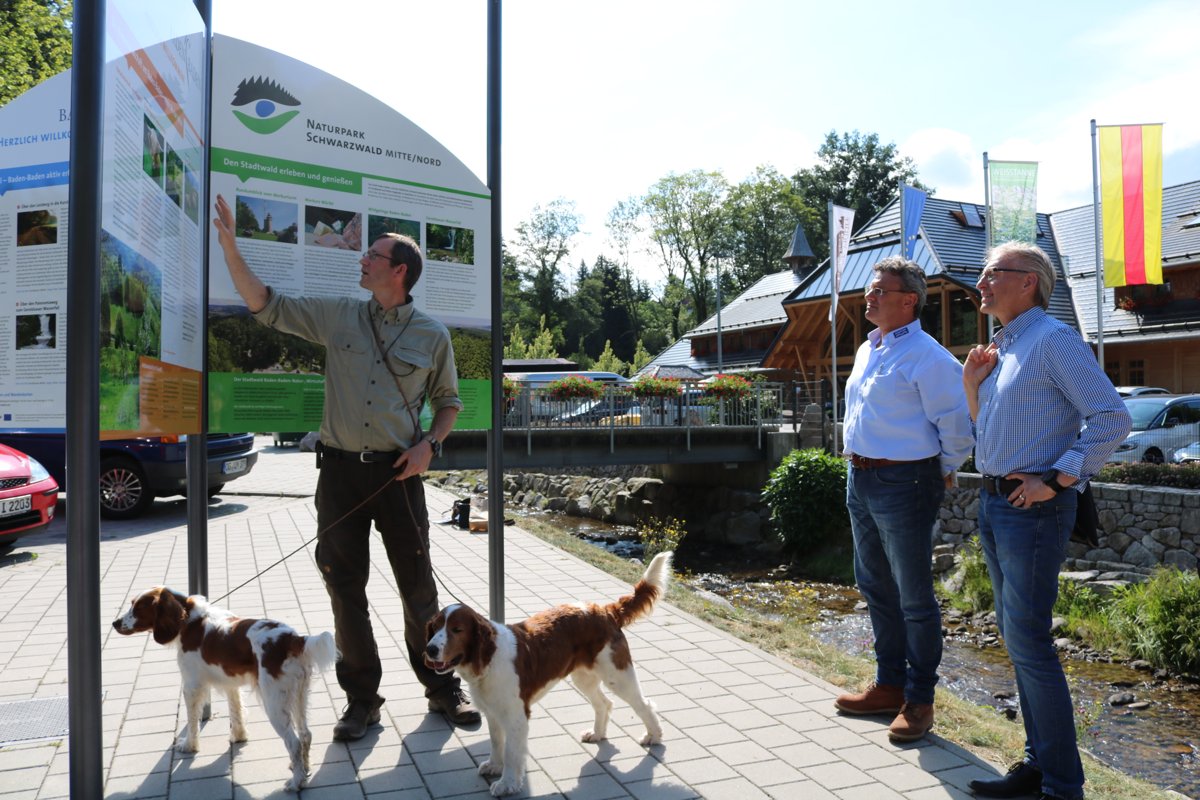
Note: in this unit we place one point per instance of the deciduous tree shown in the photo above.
(855, 171)
(35, 43)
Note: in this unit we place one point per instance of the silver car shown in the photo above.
(1189, 454)
(1162, 425)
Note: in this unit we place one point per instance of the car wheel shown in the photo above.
(6, 547)
(1153, 456)
(213, 491)
(124, 493)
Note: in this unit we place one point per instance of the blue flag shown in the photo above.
(912, 203)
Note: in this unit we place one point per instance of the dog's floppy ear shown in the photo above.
(168, 622)
(435, 623)
(482, 643)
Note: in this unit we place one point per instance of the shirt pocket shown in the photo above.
(411, 365)
(348, 346)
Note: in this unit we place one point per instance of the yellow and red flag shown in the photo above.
(1131, 203)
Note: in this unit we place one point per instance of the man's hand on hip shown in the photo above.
(414, 461)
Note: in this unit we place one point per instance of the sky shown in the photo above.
(600, 100)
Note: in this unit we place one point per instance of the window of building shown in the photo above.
(931, 316)
(964, 320)
(1113, 370)
(1137, 372)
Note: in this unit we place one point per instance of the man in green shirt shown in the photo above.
(383, 359)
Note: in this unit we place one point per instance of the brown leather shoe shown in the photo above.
(912, 723)
(457, 707)
(875, 699)
(358, 716)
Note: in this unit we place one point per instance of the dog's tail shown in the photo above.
(320, 651)
(653, 585)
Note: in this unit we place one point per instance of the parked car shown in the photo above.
(135, 471)
(1189, 454)
(1138, 391)
(1161, 426)
(28, 496)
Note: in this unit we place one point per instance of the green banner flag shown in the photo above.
(1012, 205)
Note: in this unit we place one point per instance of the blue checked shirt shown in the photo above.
(905, 401)
(1046, 404)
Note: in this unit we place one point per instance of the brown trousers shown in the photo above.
(344, 558)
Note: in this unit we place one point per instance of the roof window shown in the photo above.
(967, 215)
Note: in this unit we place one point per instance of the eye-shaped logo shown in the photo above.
(267, 97)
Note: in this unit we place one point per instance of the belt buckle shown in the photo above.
(364, 456)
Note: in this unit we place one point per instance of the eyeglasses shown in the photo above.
(877, 292)
(371, 255)
(988, 276)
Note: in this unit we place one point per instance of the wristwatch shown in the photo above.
(435, 446)
(1050, 478)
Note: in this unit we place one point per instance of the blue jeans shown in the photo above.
(892, 511)
(1024, 549)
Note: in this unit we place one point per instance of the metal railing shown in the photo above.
(618, 407)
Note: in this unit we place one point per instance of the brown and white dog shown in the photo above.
(220, 651)
(511, 667)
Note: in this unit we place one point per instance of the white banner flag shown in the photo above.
(841, 222)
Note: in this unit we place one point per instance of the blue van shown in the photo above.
(135, 471)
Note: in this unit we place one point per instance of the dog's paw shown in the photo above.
(651, 739)
(506, 786)
(185, 745)
(591, 737)
(237, 735)
(490, 769)
(295, 784)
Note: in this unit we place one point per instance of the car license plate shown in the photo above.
(237, 465)
(15, 505)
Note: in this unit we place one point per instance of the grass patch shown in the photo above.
(978, 729)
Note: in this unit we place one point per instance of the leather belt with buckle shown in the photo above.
(998, 485)
(862, 462)
(362, 456)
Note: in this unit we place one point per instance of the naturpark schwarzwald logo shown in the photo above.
(266, 99)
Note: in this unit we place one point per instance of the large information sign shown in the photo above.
(151, 269)
(35, 147)
(316, 170)
(151, 265)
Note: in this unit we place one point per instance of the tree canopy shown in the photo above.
(35, 43)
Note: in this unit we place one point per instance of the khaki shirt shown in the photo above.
(364, 410)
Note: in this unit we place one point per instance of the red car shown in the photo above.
(28, 496)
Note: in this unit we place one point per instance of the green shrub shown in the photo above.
(660, 535)
(807, 497)
(1088, 615)
(1181, 476)
(973, 586)
(1160, 620)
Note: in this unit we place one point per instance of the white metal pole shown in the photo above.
(833, 291)
(1099, 252)
(987, 204)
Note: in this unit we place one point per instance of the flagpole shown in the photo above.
(1099, 254)
(833, 298)
(987, 204)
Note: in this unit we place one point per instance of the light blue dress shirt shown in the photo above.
(905, 401)
(1046, 403)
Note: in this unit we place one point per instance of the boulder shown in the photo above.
(1181, 560)
(743, 528)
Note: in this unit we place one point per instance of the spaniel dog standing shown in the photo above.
(511, 667)
(220, 651)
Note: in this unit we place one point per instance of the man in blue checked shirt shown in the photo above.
(907, 432)
(1046, 419)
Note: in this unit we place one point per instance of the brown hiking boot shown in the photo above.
(912, 723)
(457, 707)
(358, 716)
(875, 699)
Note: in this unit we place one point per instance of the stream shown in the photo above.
(1154, 736)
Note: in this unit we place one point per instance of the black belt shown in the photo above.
(362, 456)
(862, 462)
(998, 485)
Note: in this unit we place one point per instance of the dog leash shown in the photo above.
(337, 521)
(372, 496)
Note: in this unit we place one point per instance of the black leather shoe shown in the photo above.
(358, 716)
(455, 704)
(1022, 779)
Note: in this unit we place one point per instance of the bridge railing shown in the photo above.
(537, 408)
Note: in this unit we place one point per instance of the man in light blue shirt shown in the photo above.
(906, 433)
(1046, 419)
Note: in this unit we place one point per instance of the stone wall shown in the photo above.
(1140, 528)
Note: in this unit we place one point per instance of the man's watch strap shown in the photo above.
(435, 446)
(1050, 478)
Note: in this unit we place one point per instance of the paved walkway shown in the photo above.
(738, 723)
